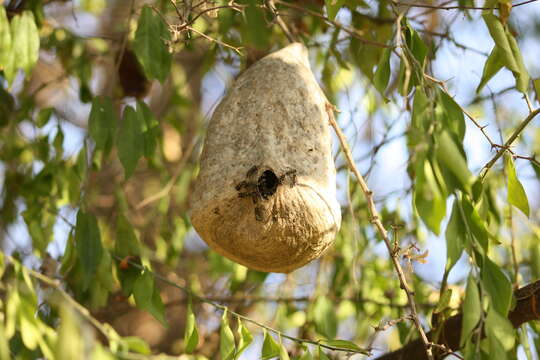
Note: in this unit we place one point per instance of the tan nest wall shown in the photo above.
(265, 195)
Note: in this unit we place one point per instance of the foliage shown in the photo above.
(102, 109)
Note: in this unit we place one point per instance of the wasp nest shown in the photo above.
(265, 196)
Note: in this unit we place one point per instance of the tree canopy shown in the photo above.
(103, 111)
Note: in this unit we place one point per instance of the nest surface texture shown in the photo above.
(265, 195)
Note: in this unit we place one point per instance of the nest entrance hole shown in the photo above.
(267, 183)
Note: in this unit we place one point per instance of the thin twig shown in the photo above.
(352, 32)
(123, 46)
(272, 8)
(243, 317)
(482, 128)
(217, 41)
(299, 299)
(106, 331)
(457, 7)
(167, 188)
(376, 221)
(509, 142)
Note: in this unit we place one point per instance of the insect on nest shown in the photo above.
(263, 187)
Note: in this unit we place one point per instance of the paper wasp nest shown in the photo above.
(265, 195)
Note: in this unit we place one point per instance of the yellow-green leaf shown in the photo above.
(516, 192)
(332, 7)
(147, 296)
(283, 353)
(321, 354)
(497, 286)
(191, 335)
(70, 344)
(324, 315)
(471, 310)
(450, 155)
(498, 34)
(429, 201)
(270, 347)
(25, 44)
(244, 339)
(227, 348)
(493, 64)
(500, 328)
(522, 76)
(5, 39)
(345, 344)
(455, 237)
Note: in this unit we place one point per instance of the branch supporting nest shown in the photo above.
(527, 309)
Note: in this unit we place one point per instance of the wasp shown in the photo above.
(263, 187)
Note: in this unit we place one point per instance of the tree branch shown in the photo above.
(527, 309)
(509, 142)
(376, 221)
(456, 7)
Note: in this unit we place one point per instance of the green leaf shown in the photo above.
(143, 290)
(416, 45)
(4, 345)
(472, 310)
(420, 112)
(283, 353)
(493, 64)
(324, 314)
(516, 192)
(522, 76)
(130, 141)
(150, 128)
(382, 75)
(255, 29)
(191, 335)
(451, 156)
(536, 83)
(150, 45)
(332, 7)
(227, 348)
(245, 338)
(5, 40)
(70, 344)
(498, 33)
(497, 286)
(126, 242)
(147, 296)
(25, 44)
(321, 354)
(88, 246)
(455, 237)
(136, 344)
(306, 355)
(102, 123)
(444, 300)
(454, 115)
(270, 348)
(29, 326)
(344, 344)
(500, 328)
(429, 201)
(475, 224)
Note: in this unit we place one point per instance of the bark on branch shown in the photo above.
(527, 309)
